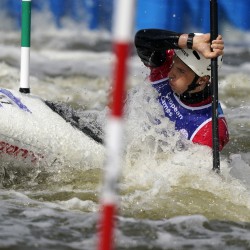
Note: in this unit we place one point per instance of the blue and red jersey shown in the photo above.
(193, 121)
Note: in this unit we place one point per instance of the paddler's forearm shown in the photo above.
(152, 44)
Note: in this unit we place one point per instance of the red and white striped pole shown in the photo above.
(123, 25)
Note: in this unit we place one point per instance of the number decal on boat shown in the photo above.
(6, 97)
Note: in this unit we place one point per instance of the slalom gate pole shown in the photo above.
(25, 47)
(214, 81)
(123, 24)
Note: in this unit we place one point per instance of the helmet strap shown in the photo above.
(193, 85)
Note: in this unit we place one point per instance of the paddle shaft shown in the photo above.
(214, 81)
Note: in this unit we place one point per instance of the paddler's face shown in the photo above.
(180, 76)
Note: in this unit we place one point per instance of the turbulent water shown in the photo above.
(169, 196)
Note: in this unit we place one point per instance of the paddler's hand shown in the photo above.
(202, 44)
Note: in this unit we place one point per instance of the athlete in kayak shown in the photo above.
(180, 71)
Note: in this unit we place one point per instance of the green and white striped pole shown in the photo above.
(25, 47)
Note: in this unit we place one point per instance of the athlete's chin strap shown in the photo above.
(193, 85)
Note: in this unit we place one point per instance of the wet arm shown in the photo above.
(152, 44)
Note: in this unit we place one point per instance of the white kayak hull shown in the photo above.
(32, 134)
